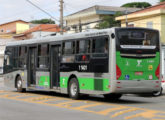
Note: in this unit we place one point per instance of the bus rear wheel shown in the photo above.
(112, 96)
(19, 85)
(159, 93)
(73, 89)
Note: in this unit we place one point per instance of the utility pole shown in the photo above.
(80, 25)
(61, 16)
(126, 19)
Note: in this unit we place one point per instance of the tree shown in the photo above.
(137, 4)
(162, 0)
(43, 21)
(109, 21)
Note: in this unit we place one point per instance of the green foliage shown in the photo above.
(137, 4)
(109, 21)
(43, 21)
(162, 0)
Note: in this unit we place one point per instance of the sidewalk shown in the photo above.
(1, 79)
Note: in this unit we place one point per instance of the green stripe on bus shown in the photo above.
(88, 83)
(44, 81)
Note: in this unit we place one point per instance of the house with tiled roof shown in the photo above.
(8, 29)
(41, 30)
(151, 17)
(88, 18)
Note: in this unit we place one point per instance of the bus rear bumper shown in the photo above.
(143, 86)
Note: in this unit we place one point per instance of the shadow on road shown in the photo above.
(125, 99)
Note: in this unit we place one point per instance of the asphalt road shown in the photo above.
(51, 106)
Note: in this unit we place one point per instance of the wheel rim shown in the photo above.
(19, 83)
(157, 93)
(73, 89)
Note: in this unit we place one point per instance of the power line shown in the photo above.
(42, 10)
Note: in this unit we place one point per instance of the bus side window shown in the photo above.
(22, 56)
(82, 50)
(74, 46)
(8, 60)
(100, 45)
(83, 46)
(67, 48)
(15, 57)
(43, 56)
(77, 46)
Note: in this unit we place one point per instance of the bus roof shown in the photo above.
(69, 36)
(60, 37)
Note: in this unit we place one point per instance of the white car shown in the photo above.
(162, 89)
(1, 70)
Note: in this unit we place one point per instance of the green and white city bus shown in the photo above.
(108, 62)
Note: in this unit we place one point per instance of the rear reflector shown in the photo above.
(157, 72)
(118, 72)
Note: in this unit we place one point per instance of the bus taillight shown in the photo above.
(118, 72)
(157, 72)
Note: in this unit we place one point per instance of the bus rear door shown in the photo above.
(55, 63)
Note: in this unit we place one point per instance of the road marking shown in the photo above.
(87, 106)
(66, 103)
(123, 112)
(107, 111)
(2, 91)
(22, 95)
(48, 100)
(8, 94)
(157, 119)
(147, 114)
(44, 99)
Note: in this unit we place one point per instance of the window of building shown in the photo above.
(43, 56)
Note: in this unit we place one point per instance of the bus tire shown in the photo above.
(19, 85)
(159, 93)
(112, 96)
(73, 89)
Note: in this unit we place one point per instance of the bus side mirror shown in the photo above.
(5, 57)
(112, 35)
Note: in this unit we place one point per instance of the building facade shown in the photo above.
(41, 30)
(88, 18)
(152, 17)
(7, 30)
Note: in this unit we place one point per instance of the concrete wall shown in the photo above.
(87, 23)
(163, 29)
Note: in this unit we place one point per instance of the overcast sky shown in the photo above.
(20, 9)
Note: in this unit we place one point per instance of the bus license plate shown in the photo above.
(138, 73)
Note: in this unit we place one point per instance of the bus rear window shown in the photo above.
(135, 37)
